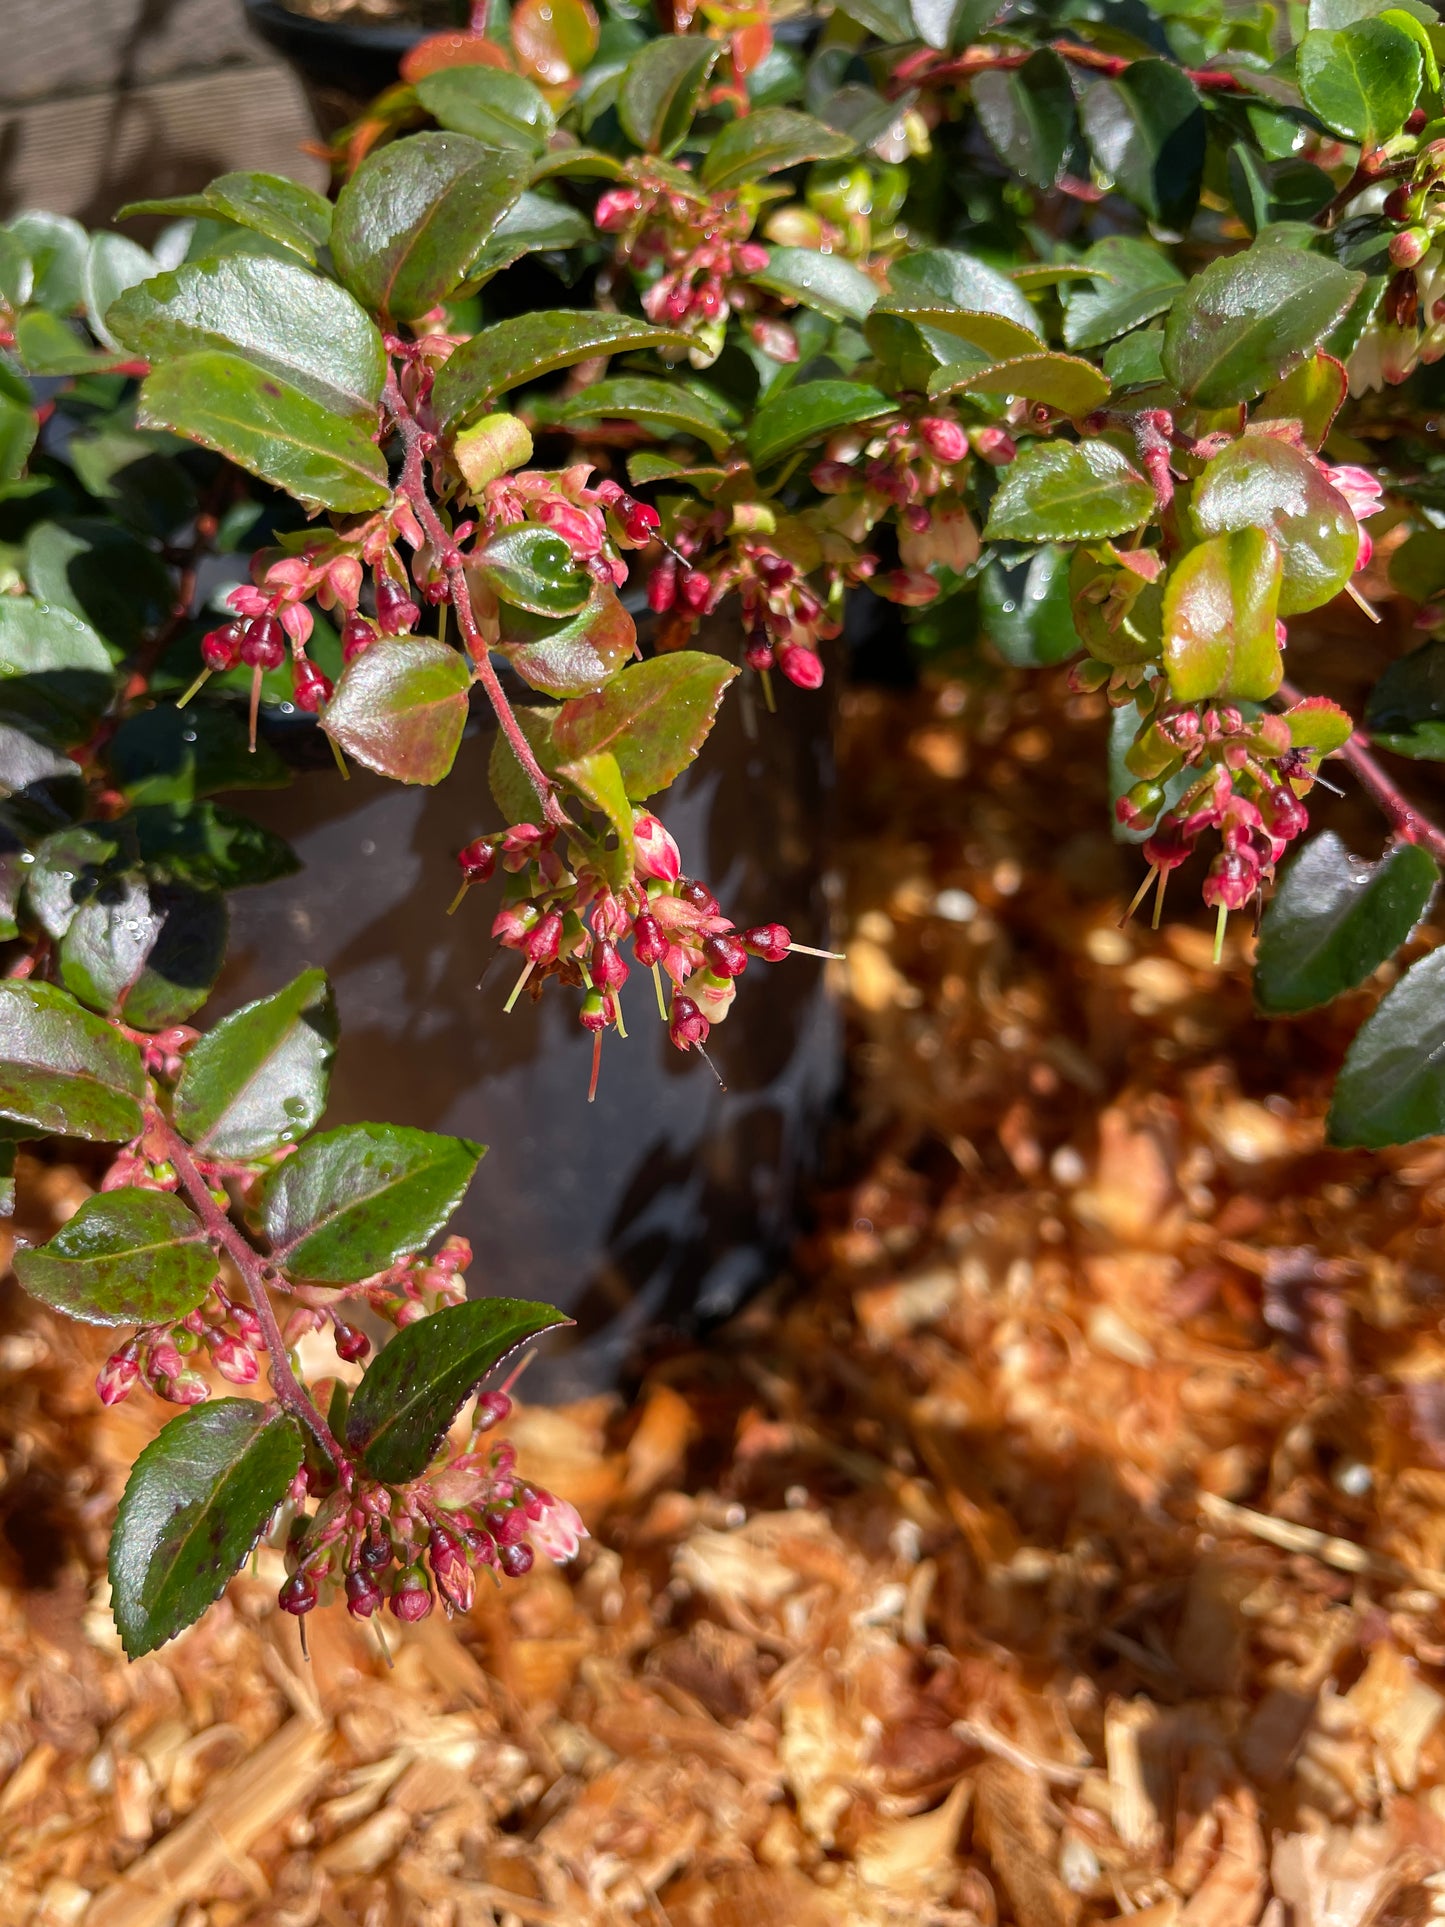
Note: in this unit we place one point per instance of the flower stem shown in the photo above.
(252, 1267)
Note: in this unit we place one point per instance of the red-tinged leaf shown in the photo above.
(64, 1071)
(554, 40)
(1221, 604)
(127, 1257)
(197, 1500)
(511, 353)
(1319, 725)
(573, 657)
(654, 718)
(531, 569)
(1260, 483)
(1311, 395)
(400, 709)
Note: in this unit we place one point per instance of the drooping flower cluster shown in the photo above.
(690, 249)
(166, 1358)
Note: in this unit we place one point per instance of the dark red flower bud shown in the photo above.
(542, 942)
(411, 1594)
(698, 895)
(694, 590)
(311, 687)
(264, 644)
(801, 666)
(376, 1554)
(770, 941)
(759, 655)
(609, 972)
(357, 635)
(396, 613)
(363, 1595)
(221, 648)
(593, 1014)
(477, 861)
(298, 1595)
(507, 1524)
(351, 1344)
(686, 1024)
(493, 1408)
(726, 956)
(515, 1561)
(662, 586)
(648, 943)
(639, 519)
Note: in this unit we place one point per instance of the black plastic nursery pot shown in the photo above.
(660, 1207)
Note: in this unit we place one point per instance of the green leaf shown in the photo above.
(351, 1202)
(1067, 492)
(1064, 382)
(197, 1500)
(112, 264)
(1417, 567)
(1134, 364)
(828, 282)
(1406, 708)
(101, 573)
(210, 848)
(400, 708)
(1028, 114)
(575, 656)
(497, 108)
(509, 353)
(661, 90)
(996, 337)
(1024, 608)
(46, 345)
(269, 427)
(56, 247)
(413, 1390)
(531, 569)
(259, 1079)
(1311, 394)
(534, 223)
(1259, 482)
(1135, 283)
(415, 215)
(1391, 1089)
(1334, 920)
(1249, 318)
(808, 411)
(17, 276)
(7, 1179)
(127, 1257)
(654, 718)
(1119, 616)
(1221, 604)
(170, 755)
(19, 424)
(667, 407)
(891, 20)
(64, 1071)
(765, 143)
(1265, 192)
(949, 25)
(38, 789)
(598, 780)
(274, 314)
(67, 869)
(1362, 81)
(950, 278)
(297, 217)
(1147, 133)
(151, 954)
(55, 673)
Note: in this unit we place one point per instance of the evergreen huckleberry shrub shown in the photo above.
(1109, 334)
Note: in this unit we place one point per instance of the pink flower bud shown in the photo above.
(1232, 880)
(164, 1361)
(694, 591)
(582, 534)
(615, 208)
(235, 1361)
(542, 942)
(945, 438)
(639, 519)
(357, 635)
(396, 613)
(834, 478)
(801, 666)
(557, 1529)
(312, 688)
(658, 857)
(686, 1025)
(363, 1595)
(649, 945)
(187, 1388)
(411, 1595)
(609, 972)
(493, 1408)
(770, 941)
(994, 446)
(750, 257)
(775, 338)
(221, 648)
(264, 644)
(662, 586)
(118, 1374)
(296, 620)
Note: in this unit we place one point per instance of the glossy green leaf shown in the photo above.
(1311, 394)
(1361, 81)
(197, 1500)
(948, 277)
(66, 869)
(259, 1078)
(56, 247)
(17, 275)
(598, 780)
(510, 353)
(1335, 919)
(1066, 492)
(533, 224)
(1119, 616)
(1406, 708)
(654, 719)
(1259, 482)
(576, 655)
(1264, 192)
(284, 211)
(55, 673)
(1028, 114)
(996, 337)
(47, 345)
(210, 848)
(1147, 133)
(1250, 318)
(661, 89)
(269, 427)
(277, 315)
(1417, 567)
(127, 1257)
(949, 25)
(497, 108)
(1391, 1089)
(112, 264)
(351, 1202)
(1135, 282)
(1064, 382)
(64, 1071)
(667, 407)
(103, 574)
(766, 143)
(828, 282)
(415, 215)
(39, 790)
(19, 424)
(1024, 609)
(415, 1387)
(807, 412)
(400, 709)
(148, 952)
(170, 755)
(532, 569)
(1134, 364)
(1221, 605)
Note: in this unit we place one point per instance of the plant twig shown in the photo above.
(1388, 798)
(415, 444)
(918, 69)
(252, 1267)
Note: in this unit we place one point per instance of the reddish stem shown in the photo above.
(252, 1266)
(917, 70)
(1384, 793)
(415, 444)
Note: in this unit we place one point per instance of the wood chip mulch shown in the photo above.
(1064, 1541)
